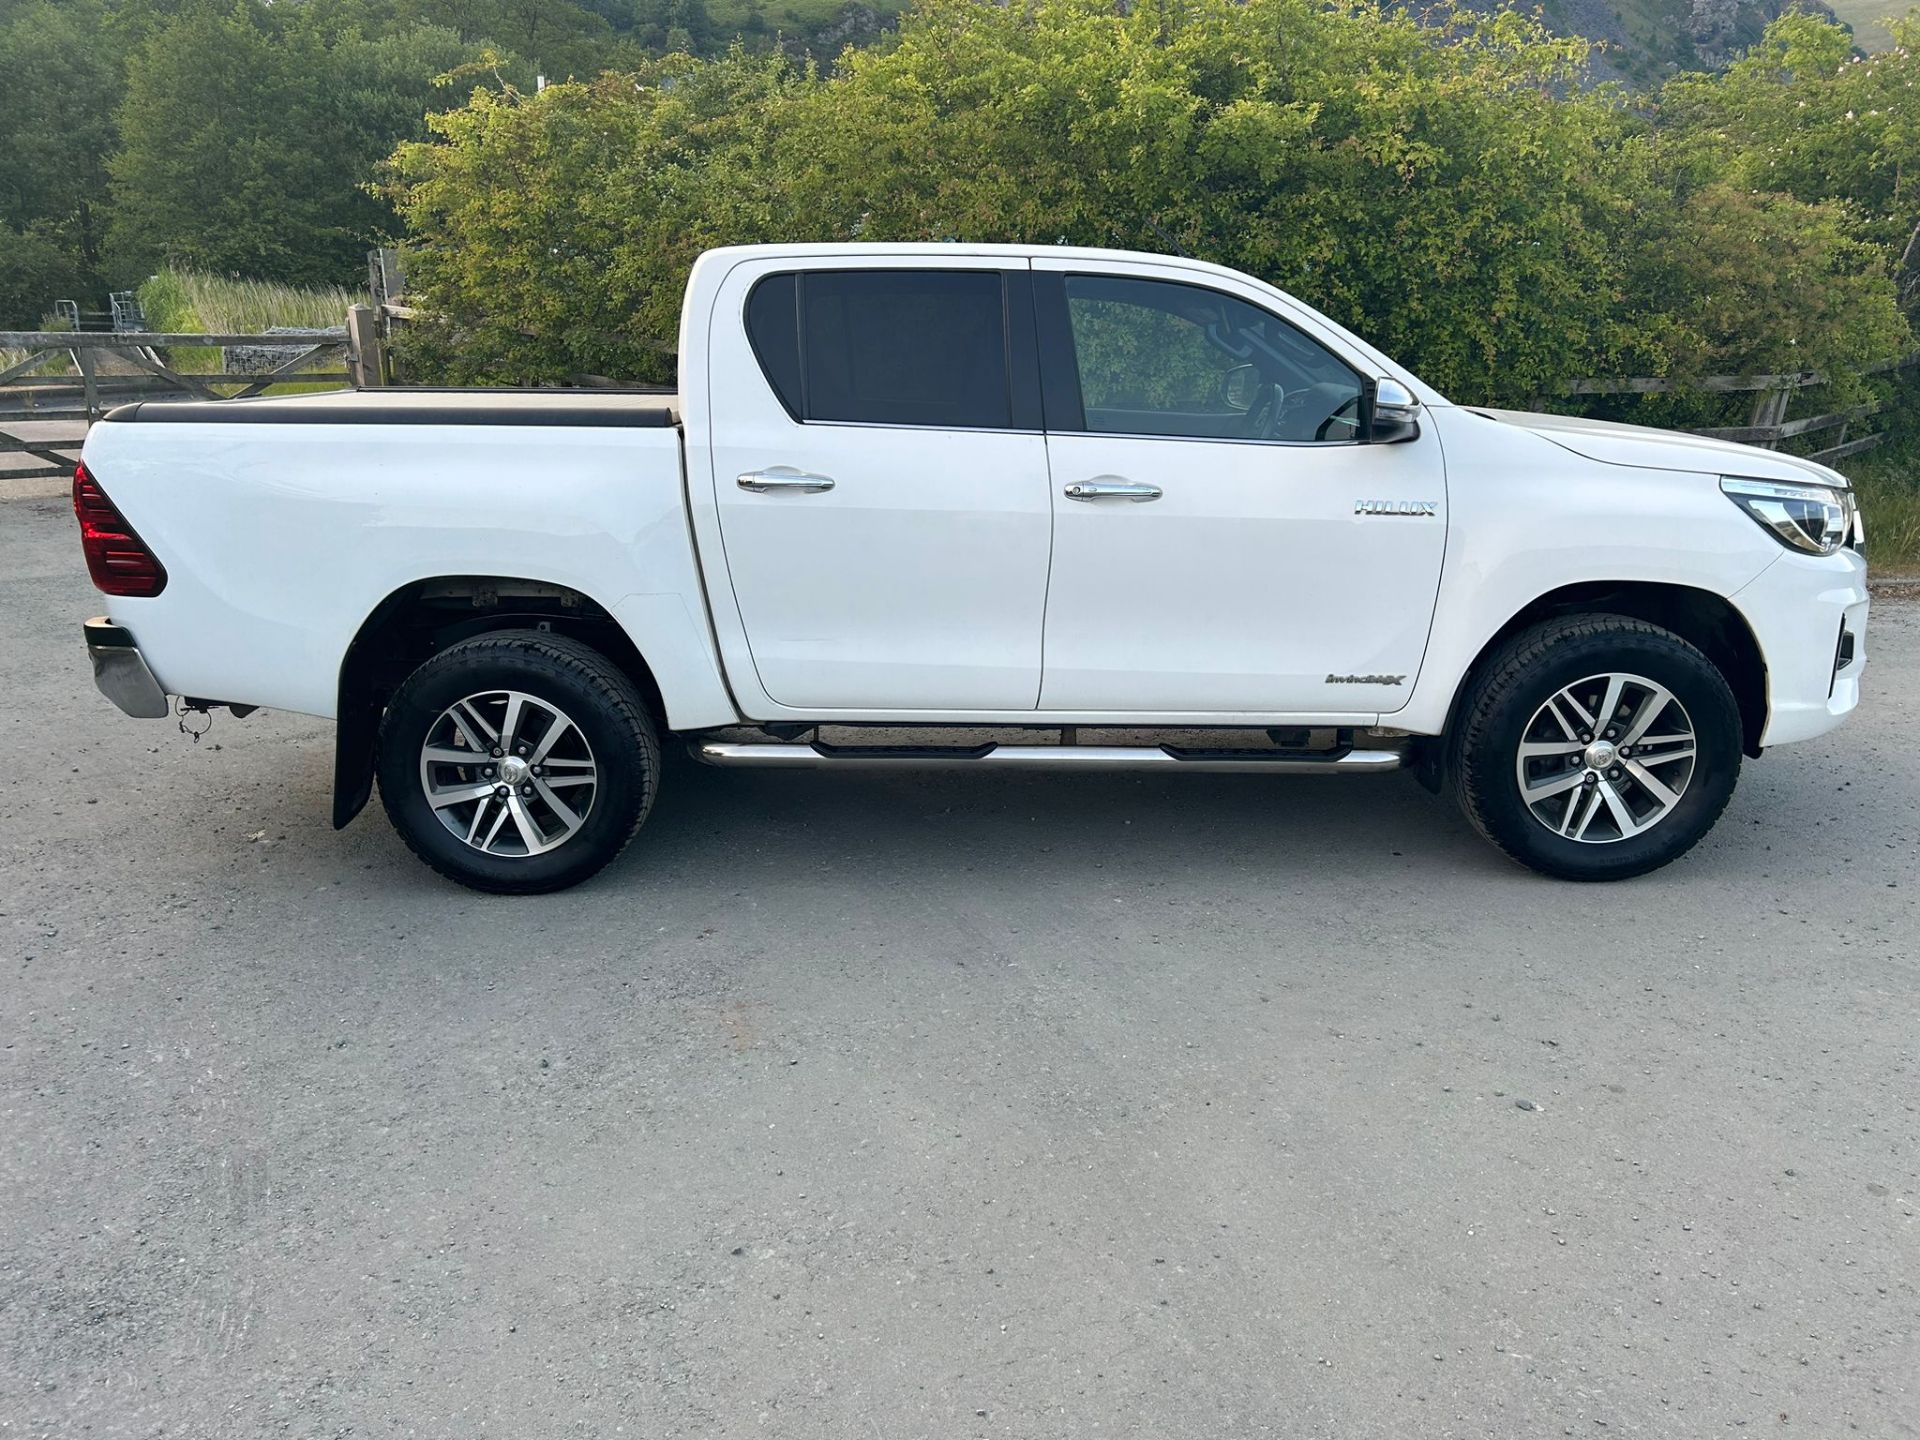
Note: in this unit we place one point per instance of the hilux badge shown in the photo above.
(1396, 507)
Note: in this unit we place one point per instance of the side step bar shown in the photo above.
(789, 756)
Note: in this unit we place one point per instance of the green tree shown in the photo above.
(249, 134)
(61, 74)
(36, 268)
(556, 38)
(217, 168)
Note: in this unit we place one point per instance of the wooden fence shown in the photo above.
(104, 369)
(1767, 424)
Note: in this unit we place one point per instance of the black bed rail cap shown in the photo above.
(628, 409)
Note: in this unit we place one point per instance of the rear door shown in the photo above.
(881, 480)
(1222, 542)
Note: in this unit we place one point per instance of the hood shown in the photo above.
(1644, 448)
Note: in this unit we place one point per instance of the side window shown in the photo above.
(773, 329)
(886, 347)
(1156, 357)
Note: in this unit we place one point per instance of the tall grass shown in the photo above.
(1886, 480)
(182, 300)
(1888, 490)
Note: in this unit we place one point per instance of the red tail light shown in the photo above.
(118, 559)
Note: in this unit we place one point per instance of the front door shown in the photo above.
(881, 482)
(1222, 541)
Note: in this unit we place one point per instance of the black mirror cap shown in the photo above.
(1392, 429)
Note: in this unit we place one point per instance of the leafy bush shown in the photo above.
(1444, 186)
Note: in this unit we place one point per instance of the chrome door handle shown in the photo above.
(1112, 487)
(781, 478)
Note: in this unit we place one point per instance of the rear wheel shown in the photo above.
(1597, 747)
(518, 762)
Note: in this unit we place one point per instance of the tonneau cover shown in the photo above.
(643, 409)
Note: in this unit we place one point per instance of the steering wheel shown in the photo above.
(1263, 419)
(1340, 417)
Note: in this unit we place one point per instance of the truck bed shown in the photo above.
(283, 536)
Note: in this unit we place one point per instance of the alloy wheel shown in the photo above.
(509, 773)
(1606, 758)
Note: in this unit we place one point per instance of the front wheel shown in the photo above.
(518, 762)
(1597, 747)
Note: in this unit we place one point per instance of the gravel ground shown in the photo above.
(1013, 1106)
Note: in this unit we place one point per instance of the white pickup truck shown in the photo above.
(978, 506)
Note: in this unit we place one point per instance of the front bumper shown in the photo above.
(121, 671)
(1810, 617)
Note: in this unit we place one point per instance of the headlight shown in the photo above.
(1814, 519)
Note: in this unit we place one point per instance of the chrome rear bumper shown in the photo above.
(121, 671)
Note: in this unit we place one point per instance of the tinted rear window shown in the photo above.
(886, 347)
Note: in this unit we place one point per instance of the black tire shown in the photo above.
(602, 703)
(1517, 681)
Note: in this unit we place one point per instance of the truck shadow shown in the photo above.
(930, 822)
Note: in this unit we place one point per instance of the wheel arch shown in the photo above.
(1708, 621)
(425, 616)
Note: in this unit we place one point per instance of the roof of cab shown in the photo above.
(933, 249)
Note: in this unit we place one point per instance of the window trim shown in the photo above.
(1061, 396)
(1020, 354)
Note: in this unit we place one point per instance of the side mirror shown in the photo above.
(1392, 412)
(1240, 387)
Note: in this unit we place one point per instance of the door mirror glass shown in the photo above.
(1394, 414)
(1240, 387)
